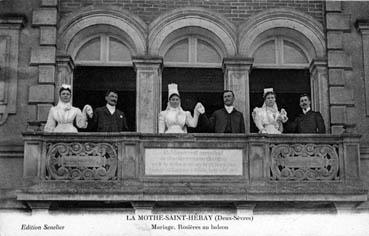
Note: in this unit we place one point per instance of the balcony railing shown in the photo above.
(191, 167)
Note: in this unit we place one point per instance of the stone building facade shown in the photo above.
(45, 43)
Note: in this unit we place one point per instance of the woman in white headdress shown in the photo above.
(62, 116)
(174, 119)
(267, 118)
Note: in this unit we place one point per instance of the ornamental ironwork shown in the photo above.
(81, 161)
(304, 162)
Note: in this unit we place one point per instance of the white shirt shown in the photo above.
(110, 108)
(306, 110)
(229, 108)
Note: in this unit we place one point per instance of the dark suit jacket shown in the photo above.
(218, 121)
(311, 122)
(103, 121)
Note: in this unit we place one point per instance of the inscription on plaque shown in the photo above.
(83, 161)
(181, 161)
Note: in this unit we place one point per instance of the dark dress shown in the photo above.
(311, 122)
(104, 121)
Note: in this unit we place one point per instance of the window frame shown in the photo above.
(104, 52)
(192, 53)
(279, 54)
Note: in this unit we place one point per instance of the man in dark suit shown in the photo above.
(108, 118)
(308, 122)
(227, 119)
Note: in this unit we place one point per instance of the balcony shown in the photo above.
(149, 168)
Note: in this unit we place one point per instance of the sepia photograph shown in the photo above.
(184, 117)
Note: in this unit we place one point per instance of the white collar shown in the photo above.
(306, 111)
(110, 108)
(229, 108)
(64, 105)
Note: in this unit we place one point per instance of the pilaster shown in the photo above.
(363, 27)
(148, 95)
(236, 78)
(319, 86)
(64, 72)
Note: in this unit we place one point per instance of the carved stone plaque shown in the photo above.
(308, 162)
(81, 161)
(182, 161)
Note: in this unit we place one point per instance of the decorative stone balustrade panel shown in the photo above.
(81, 161)
(304, 162)
(191, 167)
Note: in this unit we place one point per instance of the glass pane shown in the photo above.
(118, 51)
(206, 53)
(265, 54)
(293, 54)
(178, 52)
(90, 51)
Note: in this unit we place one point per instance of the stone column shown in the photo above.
(363, 28)
(319, 87)
(148, 93)
(65, 68)
(236, 78)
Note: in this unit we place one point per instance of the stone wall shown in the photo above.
(17, 13)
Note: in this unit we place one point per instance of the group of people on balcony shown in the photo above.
(268, 119)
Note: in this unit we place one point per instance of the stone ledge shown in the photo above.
(362, 25)
(12, 22)
(11, 151)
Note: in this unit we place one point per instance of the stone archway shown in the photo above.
(108, 23)
(180, 20)
(303, 29)
(78, 26)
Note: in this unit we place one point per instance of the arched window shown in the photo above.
(283, 64)
(103, 50)
(280, 53)
(104, 62)
(192, 51)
